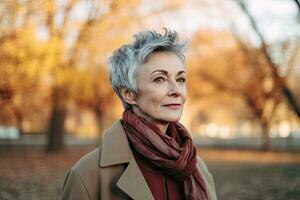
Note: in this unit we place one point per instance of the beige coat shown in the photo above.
(110, 172)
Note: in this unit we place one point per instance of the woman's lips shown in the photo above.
(173, 106)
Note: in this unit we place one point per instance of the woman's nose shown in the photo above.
(174, 89)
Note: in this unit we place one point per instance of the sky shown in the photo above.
(276, 18)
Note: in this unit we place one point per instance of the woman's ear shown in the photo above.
(127, 95)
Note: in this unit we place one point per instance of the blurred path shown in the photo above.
(249, 156)
(242, 175)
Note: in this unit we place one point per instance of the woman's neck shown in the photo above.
(161, 125)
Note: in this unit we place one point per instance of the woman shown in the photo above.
(147, 154)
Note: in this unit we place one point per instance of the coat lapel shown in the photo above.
(133, 183)
(116, 150)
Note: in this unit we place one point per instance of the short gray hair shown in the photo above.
(125, 61)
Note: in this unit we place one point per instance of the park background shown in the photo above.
(243, 79)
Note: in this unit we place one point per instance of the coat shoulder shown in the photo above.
(88, 168)
(201, 163)
(208, 179)
(89, 162)
(81, 181)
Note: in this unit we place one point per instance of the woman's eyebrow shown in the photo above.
(181, 72)
(166, 72)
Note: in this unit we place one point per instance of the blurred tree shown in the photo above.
(19, 69)
(241, 70)
(279, 81)
(49, 47)
(236, 69)
(100, 16)
(90, 90)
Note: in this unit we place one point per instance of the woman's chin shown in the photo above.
(170, 118)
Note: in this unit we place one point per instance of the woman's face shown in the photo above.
(161, 88)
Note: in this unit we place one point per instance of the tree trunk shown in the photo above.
(101, 125)
(20, 124)
(19, 117)
(56, 125)
(265, 137)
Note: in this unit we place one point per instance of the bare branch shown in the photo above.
(85, 29)
(291, 62)
(67, 11)
(298, 4)
(280, 81)
(50, 16)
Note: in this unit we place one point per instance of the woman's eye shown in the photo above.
(181, 80)
(159, 79)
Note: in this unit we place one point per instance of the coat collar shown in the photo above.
(115, 151)
(115, 146)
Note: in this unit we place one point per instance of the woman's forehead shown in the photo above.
(162, 62)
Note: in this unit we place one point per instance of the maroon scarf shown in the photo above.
(173, 152)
